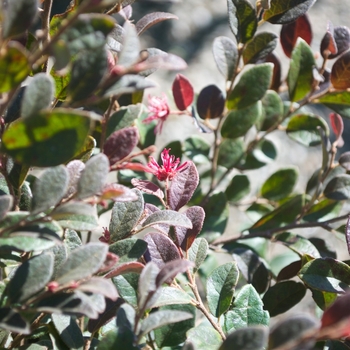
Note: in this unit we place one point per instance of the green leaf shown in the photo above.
(6, 202)
(38, 95)
(300, 76)
(230, 152)
(216, 216)
(204, 337)
(259, 47)
(34, 140)
(280, 184)
(238, 188)
(226, 56)
(30, 278)
(78, 222)
(339, 101)
(146, 131)
(324, 210)
(283, 296)
(93, 177)
(242, 19)
(69, 331)
(162, 317)
(198, 252)
(238, 122)
(323, 299)
(53, 181)
(327, 275)
(129, 249)
(256, 80)
(78, 267)
(197, 149)
(13, 321)
(338, 188)
(167, 217)
(25, 244)
(14, 67)
(272, 109)
(72, 240)
(297, 244)
(174, 334)
(125, 215)
(87, 72)
(250, 338)
(171, 296)
(286, 11)
(127, 285)
(18, 16)
(247, 310)
(220, 288)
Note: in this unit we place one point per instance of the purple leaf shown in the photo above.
(161, 249)
(171, 269)
(120, 144)
(100, 285)
(127, 267)
(148, 187)
(150, 209)
(182, 187)
(185, 237)
(151, 19)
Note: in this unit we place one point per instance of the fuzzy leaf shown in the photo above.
(147, 286)
(120, 144)
(182, 92)
(210, 102)
(131, 46)
(53, 181)
(198, 252)
(171, 269)
(226, 56)
(34, 140)
(168, 217)
(151, 19)
(99, 285)
(272, 110)
(148, 187)
(125, 215)
(182, 187)
(78, 267)
(171, 296)
(126, 285)
(220, 288)
(300, 76)
(259, 47)
(30, 278)
(125, 268)
(257, 80)
(204, 337)
(93, 177)
(129, 249)
(335, 41)
(38, 95)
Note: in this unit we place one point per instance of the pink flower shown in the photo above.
(158, 108)
(169, 168)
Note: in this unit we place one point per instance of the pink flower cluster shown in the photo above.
(159, 110)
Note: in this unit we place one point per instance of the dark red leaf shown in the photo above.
(289, 271)
(210, 102)
(151, 19)
(182, 187)
(127, 267)
(328, 44)
(340, 75)
(148, 187)
(171, 269)
(182, 92)
(185, 237)
(276, 74)
(292, 31)
(341, 37)
(120, 144)
(161, 249)
(337, 127)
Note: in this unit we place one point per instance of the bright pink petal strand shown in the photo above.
(159, 110)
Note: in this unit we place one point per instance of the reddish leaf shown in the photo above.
(182, 92)
(337, 127)
(340, 75)
(292, 31)
(120, 144)
(182, 187)
(127, 267)
(118, 193)
(210, 102)
(101, 286)
(148, 187)
(171, 269)
(151, 19)
(185, 237)
(335, 322)
(161, 249)
(328, 44)
(276, 74)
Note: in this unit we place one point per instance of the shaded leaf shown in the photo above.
(283, 296)
(151, 19)
(171, 296)
(129, 249)
(210, 102)
(125, 268)
(323, 210)
(335, 41)
(300, 76)
(256, 80)
(197, 149)
(147, 286)
(323, 299)
(171, 269)
(338, 188)
(182, 92)
(238, 188)
(226, 56)
(6, 202)
(130, 46)
(126, 285)
(78, 222)
(25, 244)
(13, 321)
(32, 141)
(231, 151)
(125, 216)
(220, 288)
(198, 252)
(259, 47)
(99, 285)
(340, 73)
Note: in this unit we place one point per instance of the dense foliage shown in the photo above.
(77, 138)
